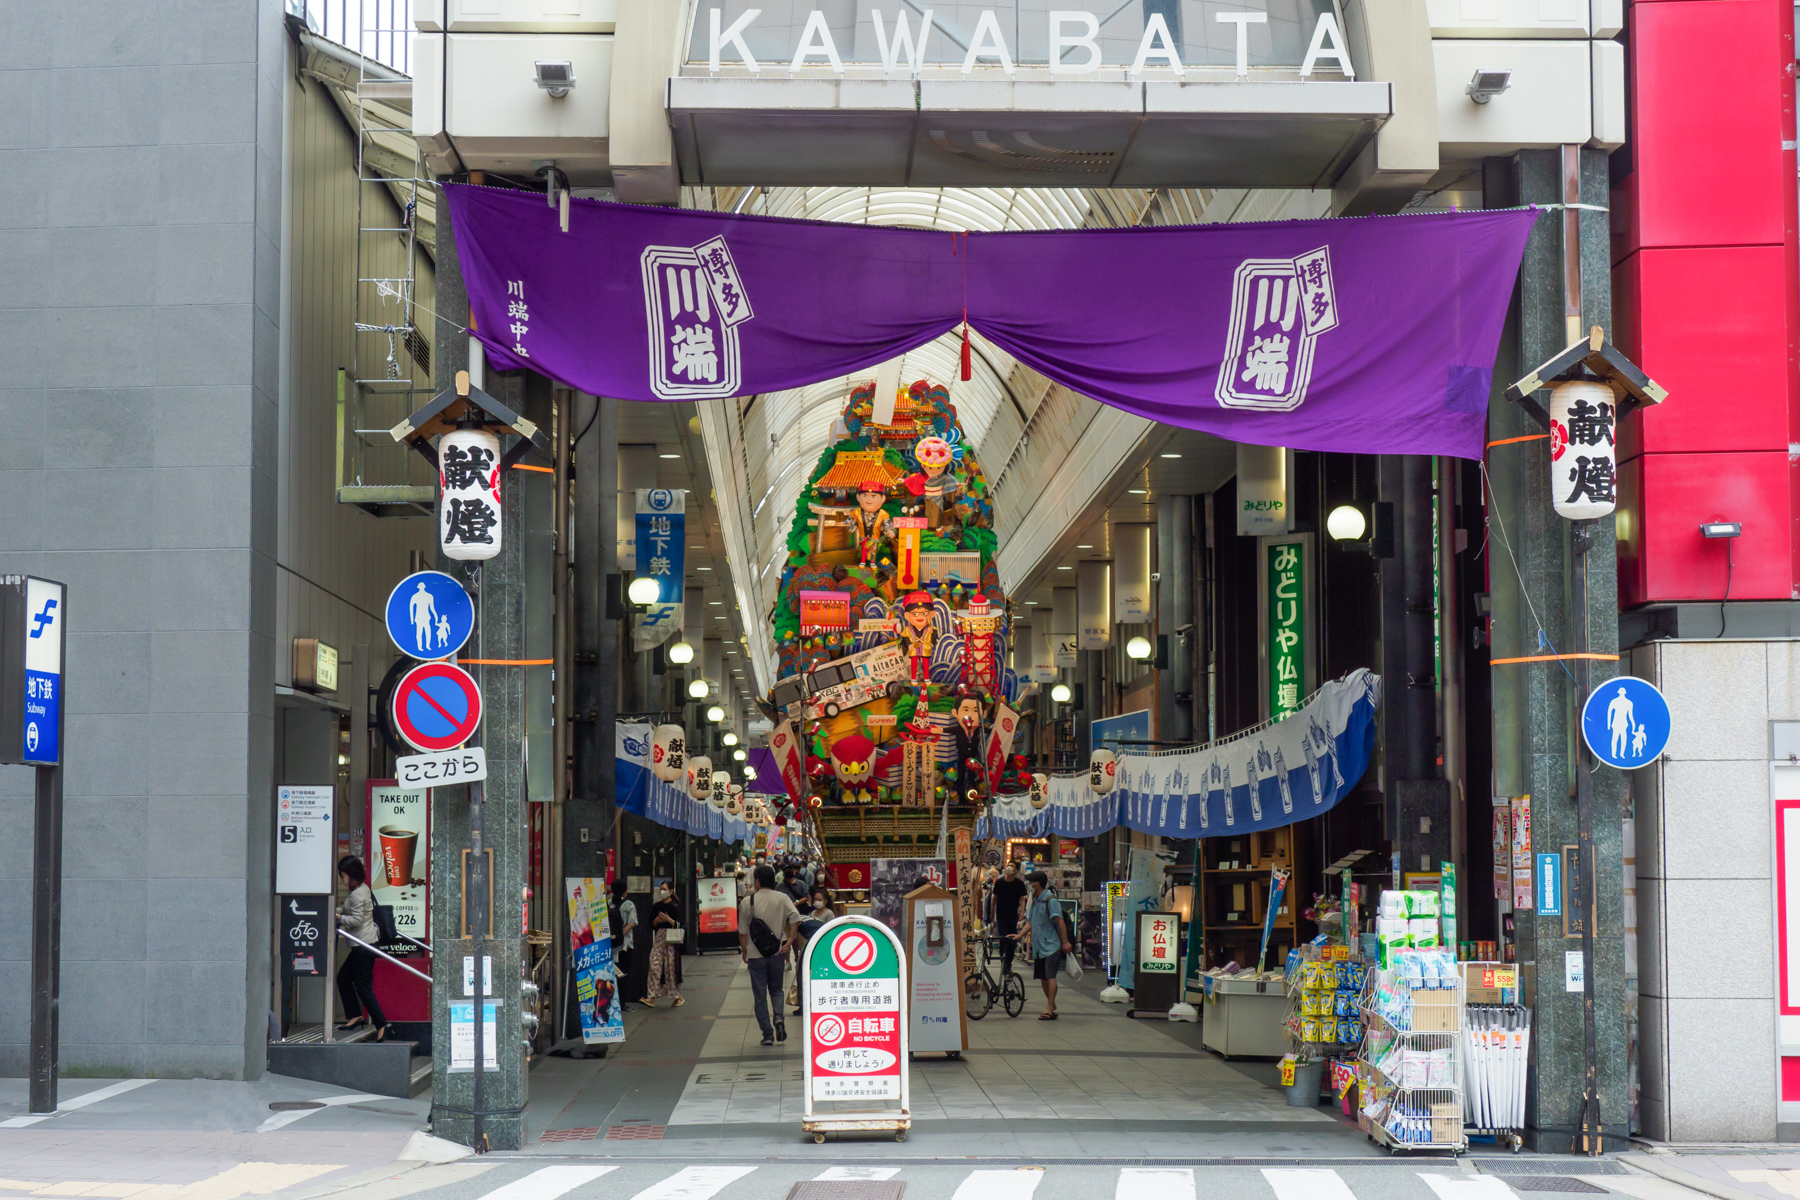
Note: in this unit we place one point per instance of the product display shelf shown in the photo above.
(1306, 1023)
(1411, 1077)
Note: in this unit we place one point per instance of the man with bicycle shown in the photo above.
(1009, 909)
(1049, 935)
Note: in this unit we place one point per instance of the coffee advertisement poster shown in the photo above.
(400, 865)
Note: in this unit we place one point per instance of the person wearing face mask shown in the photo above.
(665, 958)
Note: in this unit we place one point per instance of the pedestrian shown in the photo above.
(767, 920)
(624, 918)
(665, 958)
(356, 978)
(811, 923)
(1009, 909)
(793, 886)
(1049, 935)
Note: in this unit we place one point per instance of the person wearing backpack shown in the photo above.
(356, 978)
(767, 919)
(1046, 932)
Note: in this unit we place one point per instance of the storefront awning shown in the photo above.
(1273, 775)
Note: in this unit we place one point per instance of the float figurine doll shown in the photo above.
(869, 525)
(937, 485)
(917, 637)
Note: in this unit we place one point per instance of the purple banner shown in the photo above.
(1368, 335)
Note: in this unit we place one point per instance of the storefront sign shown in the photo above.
(662, 556)
(1176, 324)
(303, 843)
(1286, 589)
(315, 665)
(462, 1036)
(399, 821)
(590, 938)
(795, 35)
(1132, 597)
(718, 905)
(31, 658)
(1158, 936)
(934, 954)
(1549, 885)
(856, 1031)
(1093, 605)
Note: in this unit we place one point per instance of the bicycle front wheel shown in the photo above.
(977, 997)
(1014, 994)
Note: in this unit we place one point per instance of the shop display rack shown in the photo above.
(1411, 1070)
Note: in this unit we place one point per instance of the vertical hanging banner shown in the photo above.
(1285, 588)
(1093, 605)
(784, 744)
(469, 524)
(1132, 597)
(662, 556)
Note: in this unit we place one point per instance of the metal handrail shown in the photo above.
(422, 975)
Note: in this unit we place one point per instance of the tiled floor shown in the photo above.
(1092, 1063)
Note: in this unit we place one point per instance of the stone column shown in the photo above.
(1536, 705)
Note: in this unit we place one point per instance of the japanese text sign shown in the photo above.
(856, 1018)
(31, 670)
(1286, 563)
(1159, 939)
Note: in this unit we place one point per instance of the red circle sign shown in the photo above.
(828, 1030)
(437, 706)
(853, 952)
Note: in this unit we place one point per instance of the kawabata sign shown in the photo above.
(856, 1017)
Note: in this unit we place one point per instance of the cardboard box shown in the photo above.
(1446, 1123)
(1435, 1011)
(1490, 982)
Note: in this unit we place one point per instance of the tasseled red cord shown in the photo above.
(968, 369)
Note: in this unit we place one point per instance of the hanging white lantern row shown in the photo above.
(1583, 463)
(1101, 769)
(699, 777)
(469, 524)
(668, 753)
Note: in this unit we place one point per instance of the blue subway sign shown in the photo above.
(32, 618)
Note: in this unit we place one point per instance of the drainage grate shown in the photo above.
(570, 1135)
(1549, 1183)
(848, 1189)
(293, 1105)
(636, 1133)
(1511, 1165)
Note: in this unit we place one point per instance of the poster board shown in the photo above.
(399, 825)
(718, 904)
(590, 941)
(855, 1037)
(891, 878)
(934, 941)
(1158, 962)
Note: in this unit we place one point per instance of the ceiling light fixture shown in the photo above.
(1061, 693)
(696, 691)
(1346, 523)
(1170, 456)
(715, 714)
(659, 456)
(680, 654)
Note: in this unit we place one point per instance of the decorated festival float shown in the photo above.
(893, 699)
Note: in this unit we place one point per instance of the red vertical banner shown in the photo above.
(784, 744)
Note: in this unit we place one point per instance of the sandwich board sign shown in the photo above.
(856, 1027)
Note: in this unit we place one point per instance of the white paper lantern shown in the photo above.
(469, 522)
(1101, 769)
(668, 753)
(1583, 467)
(699, 777)
(721, 787)
(1040, 790)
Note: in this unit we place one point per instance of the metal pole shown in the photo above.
(478, 897)
(46, 931)
(1589, 1139)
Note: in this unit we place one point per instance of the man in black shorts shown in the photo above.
(1049, 939)
(1009, 907)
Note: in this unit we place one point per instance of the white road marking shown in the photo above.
(875, 1173)
(1155, 1183)
(1468, 1187)
(81, 1101)
(691, 1183)
(1308, 1183)
(547, 1183)
(1016, 1184)
(282, 1120)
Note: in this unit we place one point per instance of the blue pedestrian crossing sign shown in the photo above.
(429, 615)
(1625, 722)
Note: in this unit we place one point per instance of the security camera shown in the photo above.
(1488, 84)
(557, 78)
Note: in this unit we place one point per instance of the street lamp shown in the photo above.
(681, 654)
(644, 591)
(1138, 648)
(715, 714)
(1346, 523)
(697, 689)
(1061, 693)
(730, 739)
(739, 754)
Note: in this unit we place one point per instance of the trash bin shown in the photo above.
(1304, 1091)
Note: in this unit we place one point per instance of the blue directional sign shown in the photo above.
(32, 616)
(1625, 722)
(429, 615)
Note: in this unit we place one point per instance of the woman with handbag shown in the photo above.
(356, 978)
(666, 938)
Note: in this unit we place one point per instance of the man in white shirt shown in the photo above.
(775, 909)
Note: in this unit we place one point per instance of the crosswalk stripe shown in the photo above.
(1308, 1183)
(838, 1173)
(1016, 1184)
(1468, 1187)
(81, 1101)
(1155, 1183)
(547, 1183)
(693, 1183)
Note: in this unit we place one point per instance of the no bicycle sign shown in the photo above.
(856, 1031)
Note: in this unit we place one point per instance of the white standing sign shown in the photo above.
(303, 840)
(467, 764)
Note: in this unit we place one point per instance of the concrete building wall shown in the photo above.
(141, 148)
(1705, 888)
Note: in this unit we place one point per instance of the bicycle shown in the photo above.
(982, 991)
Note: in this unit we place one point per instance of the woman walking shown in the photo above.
(356, 978)
(665, 958)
